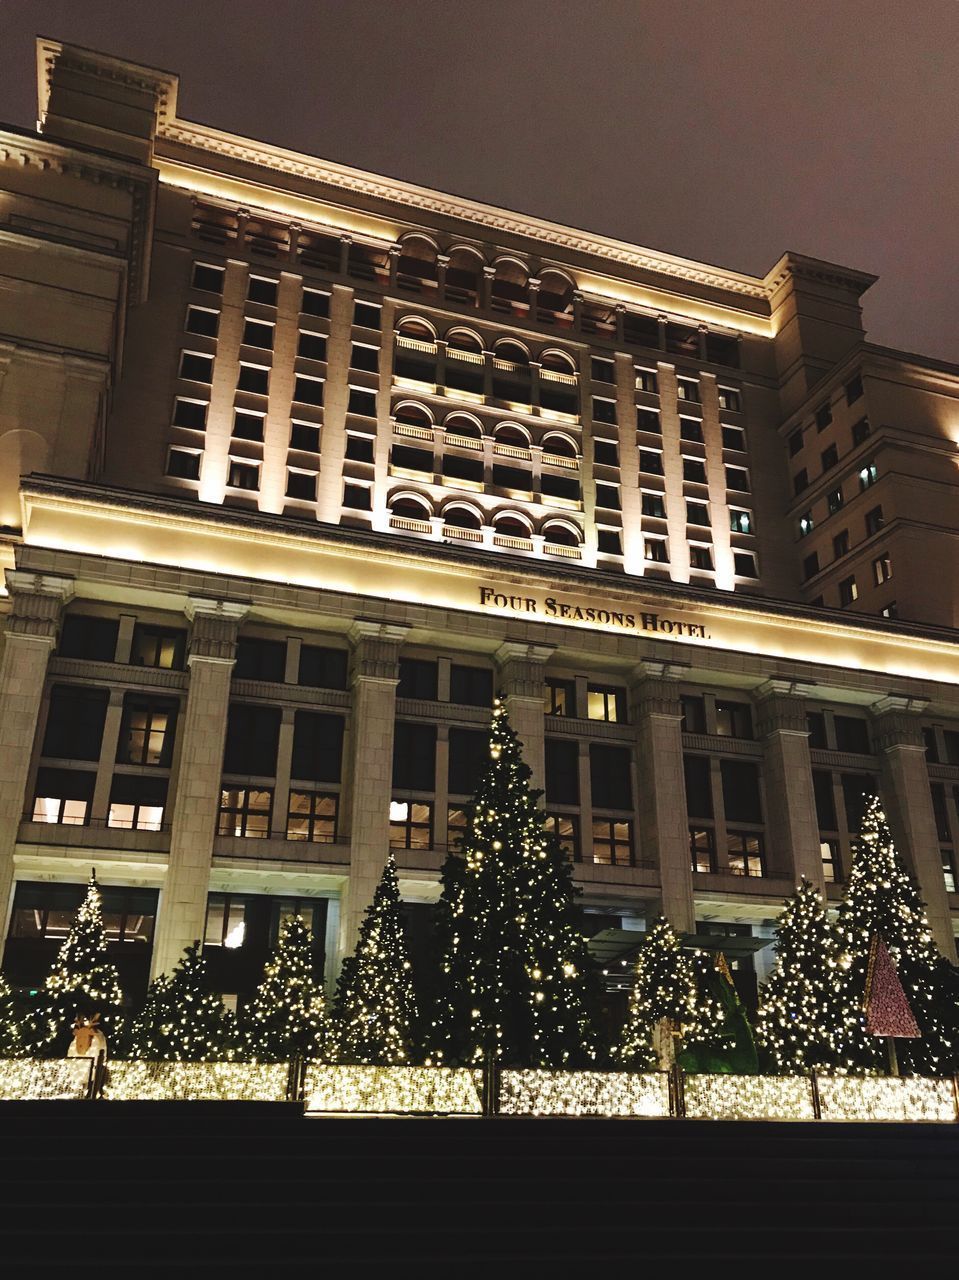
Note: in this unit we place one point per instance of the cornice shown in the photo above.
(405, 195)
(163, 84)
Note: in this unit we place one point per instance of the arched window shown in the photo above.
(514, 352)
(417, 265)
(560, 534)
(512, 383)
(463, 276)
(462, 517)
(414, 357)
(409, 507)
(464, 340)
(555, 361)
(558, 386)
(555, 297)
(416, 327)
(412, 415)
(461, 424)
(559, 445)
(510, 291)
(511, 433)
(465, 362)
(511, 525)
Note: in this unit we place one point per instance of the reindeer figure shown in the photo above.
(88, 1039)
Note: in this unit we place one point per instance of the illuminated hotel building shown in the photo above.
(301, 464)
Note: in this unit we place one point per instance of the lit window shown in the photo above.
(560, 698)
(70, 813)
(882, 568)
(225, 921)
(891, 610)
(948, 870)
(565, 826)
(729, 398)
(868, 475)
(312, 816)
(806, 524)
(745, 851)
(245, 812)
(688, 389)
(646, 380)
(411, 824)
(146, 735)
(612, 841)
(829, 851)
(834, 501)
(656, 550)
(733, 719)
(702, 849)
(605, 703)
(740, 521)
(848, 591)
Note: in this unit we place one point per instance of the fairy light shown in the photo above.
(181, 1020)
(664, 989)
(584, 1093)
(366, 1090)
(875, 1098)
(197, 1081)
(724, 1097)
(44, 1079)
(287, 1017)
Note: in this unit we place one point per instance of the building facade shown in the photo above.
(302, 465)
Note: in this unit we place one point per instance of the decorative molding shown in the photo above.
(376, 651)
(37, 602)
(521, 668)
(215, 627)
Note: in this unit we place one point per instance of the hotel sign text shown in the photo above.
(556, 609)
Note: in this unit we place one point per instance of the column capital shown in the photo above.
(442, 260)
(521, 668)
(654, 689)
(489, 273)
(215, 626)
(37, 602)
(896, 722)
(376, 650)
(781, 708)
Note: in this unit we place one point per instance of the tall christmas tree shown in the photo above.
(82, 980)
(181, 1020)
(516, 975)
(287, 1016)
(663, 999)
(721, 1038)
(882, 899)
(798, 1023)
(375, 1006)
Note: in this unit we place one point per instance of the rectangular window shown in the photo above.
(800, 480)
(823, 417)
(184, 464)
(831, 866)
(609, 542)
(560, 697)
(225, 921)
(744, 565)
(602, 370)
(163, 647)
(263, 290)
(848, 591)
(700, 557)
(693, 708)
(852, 734)
(87, 636)
(874, 521)
(312, 816)
(649, 420)
(612, 842)
(258, 659)
(882, 569)
(647, 380)
(734, 438)
(565, 827)
(737, 478)
(456, 823)
(255, 378)
(418, 679)
(308, 390)
(208, 278)
(834, 501)
(252, 737)
(301, 485)
(604, 410)
(414, 756)
(606, 702)
(137, 803)
(607, 496)
(854, 389)
(606, 453)
(691, 429)
(829, 457)
(411, 824)
(654, 505)
(856, 790)
(248, 426)
(734, 719)
(243, 475)
(202, 320)
(75, 722)
(741, 799)
(740, 521)
(795, 443)
(860, 432)
(730, 399)
(471, 686)
(311, 346)
(810, 565)
(366, 315)
(688, 389)
(468, 759)
(948, 869)
(322, 668)
(657, 551)
(562, 771)
(840, 544)
(317, 747)
(610, 776)
(196, 367)
(305, 436)
(363, 357)
(699, 793)
(816, 724)
(257, 333)
(357, 497)
(190, 414)
(362, 402)
(245, 811)
(63, 796)
(651, 462)
(694, 470)
(745, 853)
(868, 475)
(702, 849)
(147, 731)
(315, 303)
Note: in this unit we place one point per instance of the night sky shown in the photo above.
(724, 132)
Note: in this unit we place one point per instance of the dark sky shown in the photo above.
(726, 132)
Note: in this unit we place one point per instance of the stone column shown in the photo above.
(908, 800)
(212, 654)
(522, 687)
(791, 820)
(30, 637)
(375, 669)
(664, 828)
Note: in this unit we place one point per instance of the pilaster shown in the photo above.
(522, 686)
(791, 821)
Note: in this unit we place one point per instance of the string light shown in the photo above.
(286, 1017)
(584, 1093)
(44, 1079)
(181, 1020)
(197, 1081)
(724, 1097)
(394, 1090)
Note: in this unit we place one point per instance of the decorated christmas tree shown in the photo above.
(13, 1031)
(798, 1023)
(181, 1020)
(882, 899)
(287, 1017)
(516, 975)
(721, 1038)
(375, 1007)
(662, 1004)
(82, 980)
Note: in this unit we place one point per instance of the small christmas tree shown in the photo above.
(375, 1007)
(798, 1022)
(287, 1016)
(13, 1031)
(82, 980)
(662, 1004)
(721, 1039)
(516, 975)
(882, 899)
(181, 1021)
